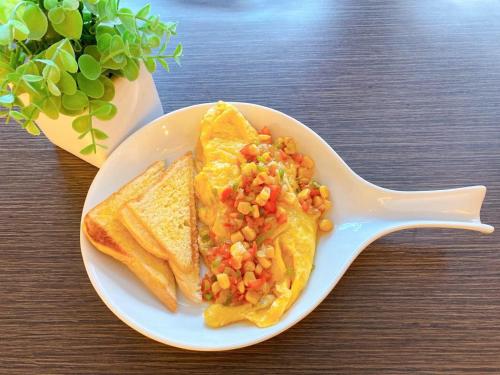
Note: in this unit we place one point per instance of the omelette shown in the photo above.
(260, 210)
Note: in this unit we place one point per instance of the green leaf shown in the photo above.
(82, 124)
(88, 149)
(36, 21)
(109, 89)
(164, 64)
(68, 62)
(92, 51)
(47, 62)
(18, 116)
(7, 98)
(76, 102)
(93, 88)
(154, 41)
(56, 15)
(71, 113)
(54, 90)
(51, 73)
(51, 107)
(99, 134)
(71, 4)
(127, 17)
(32, 78)
(144, 11)
(49, 4)
(103, 110)
(72, 26)
(104, 42)
(89, 67)
(67, 83)
(5, 35)
(21, 31)
(31, 128)
(178, 51)
(116, 44)
(131, 70)
(150, 64)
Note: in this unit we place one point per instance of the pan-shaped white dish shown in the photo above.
(362, 212)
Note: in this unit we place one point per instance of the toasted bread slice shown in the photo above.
(167, 211)
(107, 234)
(188, 282)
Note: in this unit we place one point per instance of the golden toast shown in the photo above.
(103, 228)
(167, 213)
(188, 282)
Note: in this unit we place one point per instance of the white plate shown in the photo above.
(173, 134)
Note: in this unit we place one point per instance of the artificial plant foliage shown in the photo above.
(60, 57)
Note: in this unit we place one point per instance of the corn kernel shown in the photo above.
(280, 212)
(248, 277)
(237, 250)
(241, 287)
(215, 287)
(307, 162)
(264, 138)
(249, 266)
(261, 253)
(223, 280)
(248, 169)
(253, 149)
(252, 297)
(244, 207)
(304, 194)
(325, 225)
(270, 253)
(289, 197)
(290, 146)
(236, 237)
(263, 196)
(317, 201)
(323, 190)
(258, 269)
(255, 211)
(305, 173)
(328, 204)
(249, 233)
(265, 263)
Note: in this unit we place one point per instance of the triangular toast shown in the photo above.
(167, 212)
(188, 282)
(107, 234)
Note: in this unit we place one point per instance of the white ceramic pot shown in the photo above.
(137, 103)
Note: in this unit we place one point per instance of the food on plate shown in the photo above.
(107, 234)
(163, 221)
(261, 209)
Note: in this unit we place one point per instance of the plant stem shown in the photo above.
(26, 49)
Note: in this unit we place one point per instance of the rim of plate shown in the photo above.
(179, 344)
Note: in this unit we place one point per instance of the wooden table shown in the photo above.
(408, 93)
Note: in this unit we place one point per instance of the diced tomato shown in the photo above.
(305, 206)
(282, 219)
(275, 192)
(272, 170)
(265, 130)
(314, 192)
(253, 249)
(256, 284)
(298, 157)
(268, 241)
(270, 207)
(283, 155)
(227, 194)
(245, 151)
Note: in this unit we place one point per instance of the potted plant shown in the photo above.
(80, 71)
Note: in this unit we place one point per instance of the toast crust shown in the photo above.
(188, 283)
(100, 225)
(193, 229)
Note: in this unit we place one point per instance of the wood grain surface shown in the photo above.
(408, 93)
